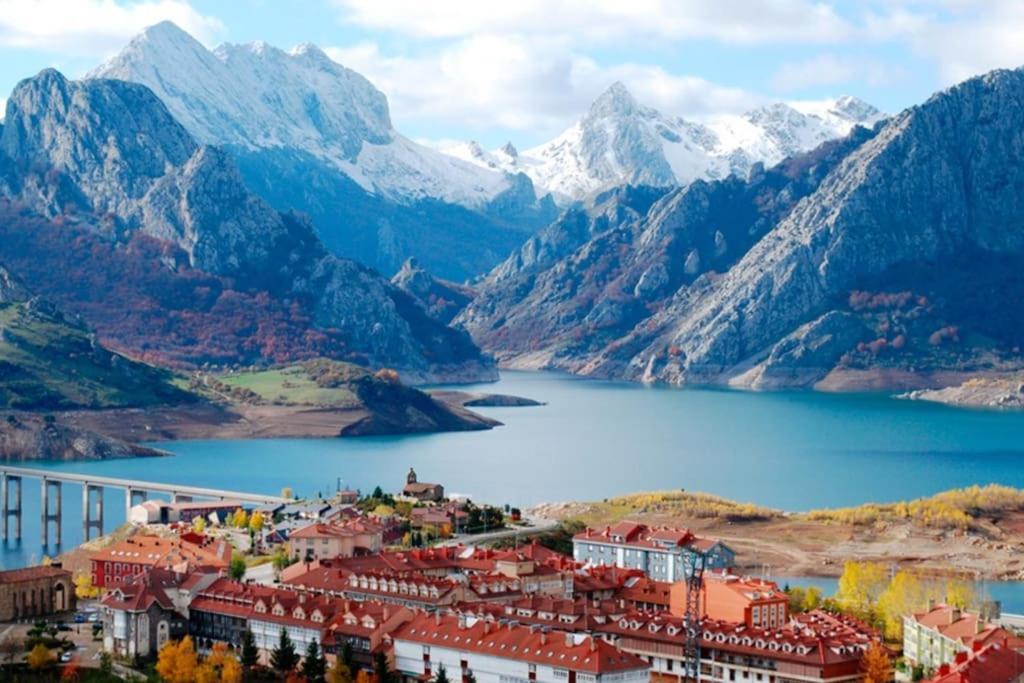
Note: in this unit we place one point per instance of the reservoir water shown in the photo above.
(592, 439)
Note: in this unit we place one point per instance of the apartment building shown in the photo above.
(663, 554)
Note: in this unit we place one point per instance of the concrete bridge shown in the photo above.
(12, 481)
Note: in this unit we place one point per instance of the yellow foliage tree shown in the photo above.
(287, 492)
(199, 525)
(256, 522)
(906, 593)
(876, 664)
(339, 673)
(860, 585)
(221, 666)
(39, 657)
(177, 661)
(240, 519)
(959, 594)
(383, 511)
(365, 677)
(84, 590)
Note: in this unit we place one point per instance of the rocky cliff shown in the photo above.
(893, 249)
(108, 156)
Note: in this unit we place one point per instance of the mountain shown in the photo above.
(441, 299)
(311, 135)
(49, 361)
(103, 163)
(889, 258)
(620, 141)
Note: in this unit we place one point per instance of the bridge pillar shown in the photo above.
(45, 514)
(130, 495)
(89, 519)
(7, 482)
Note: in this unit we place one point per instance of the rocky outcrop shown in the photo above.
(11, 288)
(107, 154)
(25, 437)
(894, 248)
(441, 299)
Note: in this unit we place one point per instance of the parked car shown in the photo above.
(65, 657)
(80, 618)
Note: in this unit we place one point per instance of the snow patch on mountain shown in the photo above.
(620, 140)
(257, 96)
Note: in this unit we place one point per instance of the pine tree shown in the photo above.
(347, 656)
(442, 675)
(314, 667)
(250, 653)
(469, 677)
(284, 658)
(381, 669)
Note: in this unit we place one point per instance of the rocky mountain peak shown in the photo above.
(616, 101)
(11, 288)
(510, 149)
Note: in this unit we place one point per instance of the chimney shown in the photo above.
(543, 638)
(954, 615)
(931, 604)
(437, 618)
(569, 641)
(487, 627)
(593, 643)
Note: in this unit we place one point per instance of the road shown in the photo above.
(536, 526)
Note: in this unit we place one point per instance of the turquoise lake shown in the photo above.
(592, 439)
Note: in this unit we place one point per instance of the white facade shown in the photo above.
(411, 660)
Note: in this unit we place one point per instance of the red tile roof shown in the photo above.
(641, 536)
(584, 654)
(176, 552)
(32, 574)
(993, 663)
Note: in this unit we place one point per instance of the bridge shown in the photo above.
(12, 478)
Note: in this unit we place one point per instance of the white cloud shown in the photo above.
(514, 82)
(732, 21)
(93, 27)
(834, 70)
(963, 37)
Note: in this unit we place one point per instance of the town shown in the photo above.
(417, 586)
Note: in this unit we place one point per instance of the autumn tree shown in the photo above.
(71, 673)
(339, 673)
(314, 667)
(250, 653)
(220, 666)
(906, 593)
(256, 522)
(199, 525)
(860, 585)
(240, 519)
(876, 665)
(84, 590)
(284, 658)
(287, 492)
(39, 657)
(177, 661)
(959, 594)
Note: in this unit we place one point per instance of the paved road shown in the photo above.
(536, 526)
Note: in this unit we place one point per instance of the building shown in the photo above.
(992, 663)
(422, 491)
(937, 635)
(35, 592)
(114, 565)
(451, 515)
(742, 600)
(663, 554)
(146, 610)
(507, 653)
(163, 512)
(339, 539)
(814, 648)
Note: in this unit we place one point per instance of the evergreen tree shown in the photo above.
(314, 666)
(284, 658)
(250, 653)
(442, 675)
(347, 656)
(469, 677)
(381, 669)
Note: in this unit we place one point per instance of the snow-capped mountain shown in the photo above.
(257, 96)
(621, 141)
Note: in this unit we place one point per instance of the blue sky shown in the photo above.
(523, 71)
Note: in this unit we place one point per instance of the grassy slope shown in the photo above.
(49, 363)
(292, 386)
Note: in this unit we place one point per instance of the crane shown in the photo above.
(695, 562)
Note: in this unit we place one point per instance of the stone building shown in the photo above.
(35, 591)
(421, 490)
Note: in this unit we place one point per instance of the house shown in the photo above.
(992, 663)
(451, 515)
(935, 637)
(114, 565)
(146, 610)
(421, 491)
(347, 497)
(163, 512)
(341, 539)
(664, 553)
(505, 652)
(35, 592)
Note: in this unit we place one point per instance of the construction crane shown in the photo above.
(694, 567)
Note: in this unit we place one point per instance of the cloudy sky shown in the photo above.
(524, 70)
